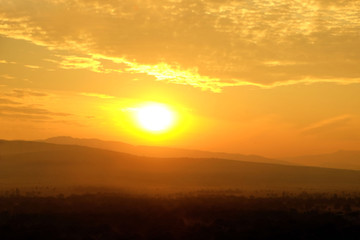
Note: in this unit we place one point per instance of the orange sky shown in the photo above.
(274, 78)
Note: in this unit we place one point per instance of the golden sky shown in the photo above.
(269, 77)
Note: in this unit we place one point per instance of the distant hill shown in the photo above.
(25, 163)
(154, 151)
(340, 159)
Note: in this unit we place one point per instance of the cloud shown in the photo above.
(17, 116)
(204, 44)
(32, 105)
(7, 76)
(103, 96)
(92, 62)
(22, 93)
(16, 109)
(327, 124)
(6, 62)
(75, 62)
(176, 75)
(30, 111)
(32, 66)
(7, 101)
(25, 112)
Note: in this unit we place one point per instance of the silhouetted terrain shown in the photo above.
(29, 164)
(340, 159)
(153, 151)
(192, 216)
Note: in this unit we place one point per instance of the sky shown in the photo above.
(269, 77)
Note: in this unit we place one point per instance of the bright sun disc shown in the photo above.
(155, 117)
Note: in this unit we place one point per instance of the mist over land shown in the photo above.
(40, 163)
(157, 151)
(339, 159)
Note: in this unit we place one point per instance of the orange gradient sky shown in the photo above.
(274, 77)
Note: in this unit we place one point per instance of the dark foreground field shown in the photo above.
(182, 216)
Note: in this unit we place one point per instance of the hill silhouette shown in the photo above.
(339, 159)
(24, 163)
(156, 151)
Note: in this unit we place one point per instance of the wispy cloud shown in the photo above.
(173, 74)
(75, 62)
(206, 44)
(19, 116)
(22, 93)
(32, 105)
(32, 66)
(7, 62)
(90, 62)
(327, 124)
(30, 110)
(7, 76)
(98, 95)
(8, 101)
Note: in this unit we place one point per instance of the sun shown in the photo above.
(155, 117)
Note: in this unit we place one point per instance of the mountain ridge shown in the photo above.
(157, 151)
(38, 163)
(342, 159)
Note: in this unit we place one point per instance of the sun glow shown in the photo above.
(155, 117)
